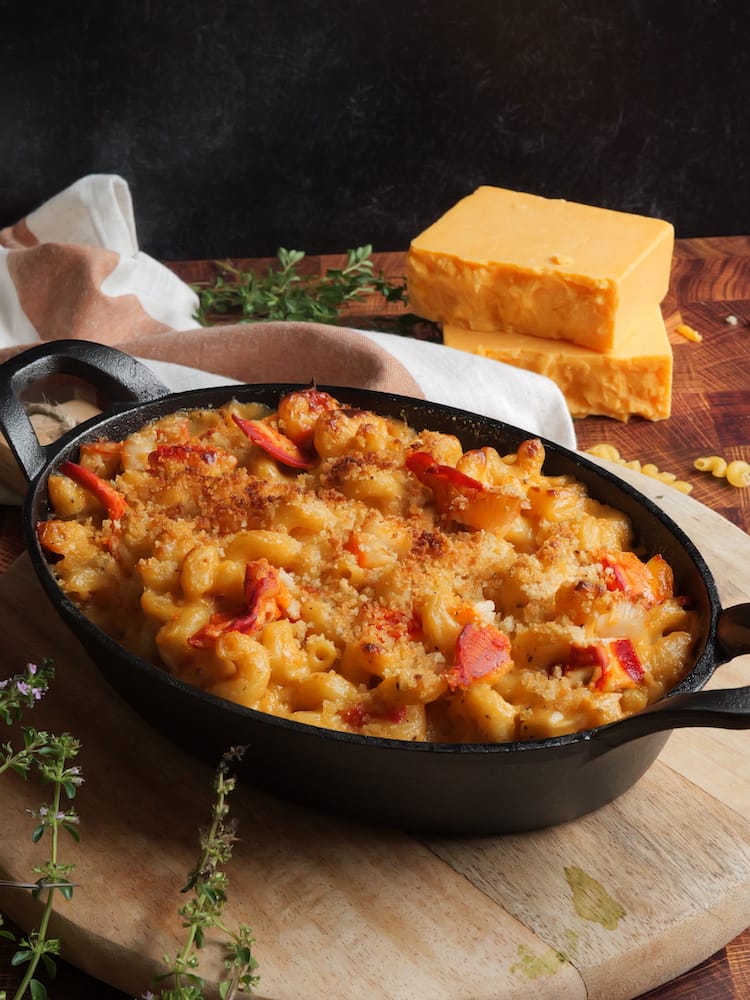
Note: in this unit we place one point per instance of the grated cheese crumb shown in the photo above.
(688, 332)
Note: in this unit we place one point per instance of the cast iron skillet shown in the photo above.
(448, 788)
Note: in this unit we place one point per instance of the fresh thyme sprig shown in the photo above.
(287, 293)
(208, 884)
(48, 755)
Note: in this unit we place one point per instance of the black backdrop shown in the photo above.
(242, 127)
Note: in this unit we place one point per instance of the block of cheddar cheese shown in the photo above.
(504, 260)
(633, 379)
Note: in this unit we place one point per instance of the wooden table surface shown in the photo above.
(710, 291)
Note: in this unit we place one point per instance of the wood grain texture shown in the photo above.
(711, 413)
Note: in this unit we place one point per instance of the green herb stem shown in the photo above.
(38, 940)
(286, 293)
(208, 884)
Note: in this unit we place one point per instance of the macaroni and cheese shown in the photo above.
(340, 568)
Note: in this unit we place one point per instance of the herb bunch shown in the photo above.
(285, 292)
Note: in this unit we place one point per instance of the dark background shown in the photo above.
(242, 127)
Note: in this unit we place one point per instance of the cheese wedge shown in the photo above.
(504, 260)
(633, 379)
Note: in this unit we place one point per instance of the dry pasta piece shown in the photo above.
(714, 464)
(608, 451)
(605, 450)
(736, 472)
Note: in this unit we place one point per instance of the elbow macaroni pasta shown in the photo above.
(612, 454)
(342, 569)
(714, 464)
(736, 473)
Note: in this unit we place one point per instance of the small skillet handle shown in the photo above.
(726, 708)
(733, 631)
(119, 377)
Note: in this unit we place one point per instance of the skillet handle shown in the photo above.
(118, 376)
(726, 708)
(733, 631)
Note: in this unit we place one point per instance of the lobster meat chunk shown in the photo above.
(274, 443)
(462, 498)
(482, 653)
(610, 664)
(107, 495)
(649, 583)
(266, 600)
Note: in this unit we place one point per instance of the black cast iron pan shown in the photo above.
(447, 788)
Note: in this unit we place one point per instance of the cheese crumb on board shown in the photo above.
(549, 268)
(688, 332)
(634, 378)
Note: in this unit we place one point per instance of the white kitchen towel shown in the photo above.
(72, 268)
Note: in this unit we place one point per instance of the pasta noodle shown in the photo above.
(611, 453)
(714, 464)
(342, 569)
(736, 472)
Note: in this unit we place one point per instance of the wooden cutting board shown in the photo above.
(606, 907)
